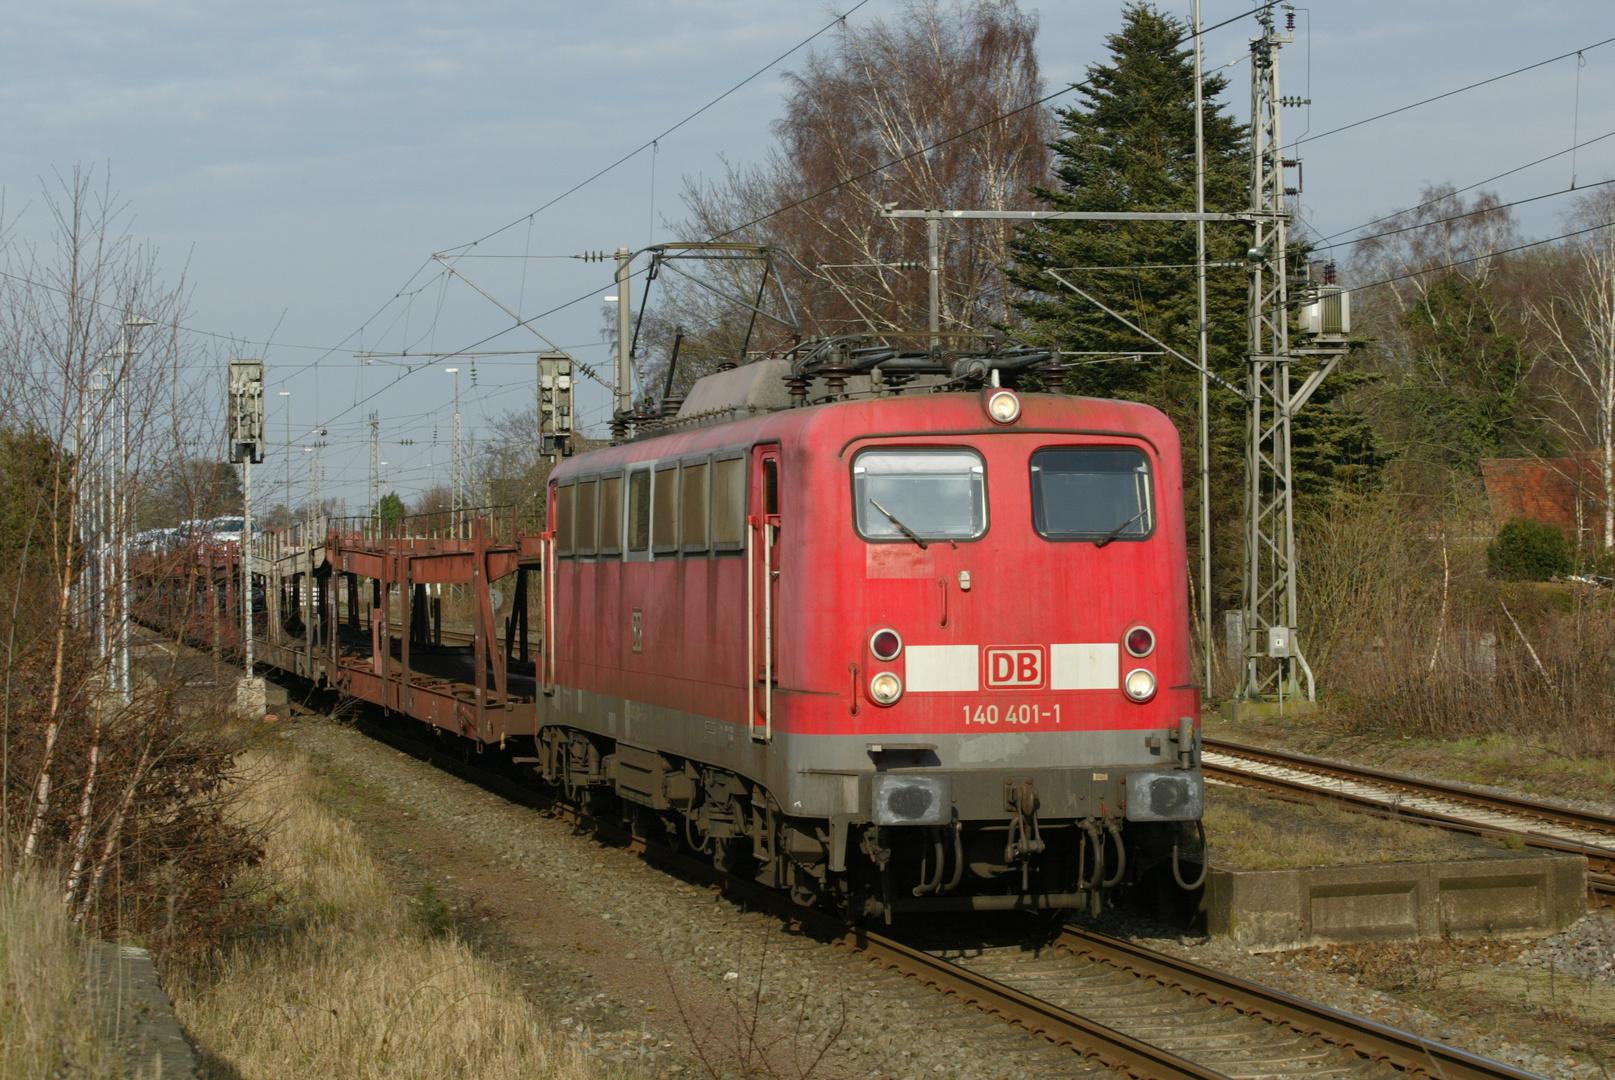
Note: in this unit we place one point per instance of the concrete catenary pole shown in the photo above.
(933, 266)
(245, 547)
(625, 359)
(1204, 355)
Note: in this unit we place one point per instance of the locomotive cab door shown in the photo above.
(762, 590)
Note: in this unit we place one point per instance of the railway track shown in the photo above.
(1132, 1010)
(1432, 802)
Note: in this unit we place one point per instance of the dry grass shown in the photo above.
(47, 1027)
(1251, 831)
(346, 980)
(1412, 637)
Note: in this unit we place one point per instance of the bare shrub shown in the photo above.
(1414, 637)
(122, 793)
(750, 1041)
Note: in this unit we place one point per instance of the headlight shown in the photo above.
(1140, 641)
(886, 645)
(1140, 684)
(1003, 407)
(885, 688)
(907, 799)
(1165, 796)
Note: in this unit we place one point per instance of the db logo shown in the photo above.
(1014, 667)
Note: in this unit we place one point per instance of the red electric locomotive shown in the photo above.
(906, 649)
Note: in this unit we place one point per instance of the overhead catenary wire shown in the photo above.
(461, 252)
(1421, 271)
(651, 142)
(1468, 187)
(1477, 212)
(460, 249)
(1452, 93)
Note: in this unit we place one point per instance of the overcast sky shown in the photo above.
(301, 161)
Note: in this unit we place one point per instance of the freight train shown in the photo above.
(878, 628)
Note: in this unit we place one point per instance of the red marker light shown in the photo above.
(1140, 641)
(886, 644)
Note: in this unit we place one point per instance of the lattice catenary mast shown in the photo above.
(1274, 664)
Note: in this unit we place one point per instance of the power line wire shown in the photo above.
(1477, 212)
(1470, 187)
(1189, 36)
(839, 20)
(1450, 93)
(1478, 258)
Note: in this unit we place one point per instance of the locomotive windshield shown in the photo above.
(1092, 493)
(919, 494)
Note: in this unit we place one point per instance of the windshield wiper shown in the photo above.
(1117, 531)
(904, 529)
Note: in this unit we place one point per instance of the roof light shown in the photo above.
(886, 644)
(1003, 407)
(885, 688)
(1140, 641)
(1140, 684)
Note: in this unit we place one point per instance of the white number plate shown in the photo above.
(1024, 714)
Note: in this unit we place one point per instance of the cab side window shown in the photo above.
(610, 541)
(639, 510)
(562, 525)
(665, 512)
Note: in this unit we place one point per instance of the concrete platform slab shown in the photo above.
(1516, 896)
(137, 1015)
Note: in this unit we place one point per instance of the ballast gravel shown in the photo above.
(1585, 951)
(748, 987)
(1587, 942)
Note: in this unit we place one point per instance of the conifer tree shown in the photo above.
(1128, 145)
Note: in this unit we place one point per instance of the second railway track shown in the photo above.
(1539, 824)
(1129, 1009)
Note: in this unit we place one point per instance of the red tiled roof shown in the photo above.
(1544, 489)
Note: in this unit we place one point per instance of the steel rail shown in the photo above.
(1524, 806)
(1372, 1040)
(1600, 859)
(1118, 1051)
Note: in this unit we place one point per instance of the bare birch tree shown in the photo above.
(96, 771)
(946, 91)
(1449, 323)
(1576, 318)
